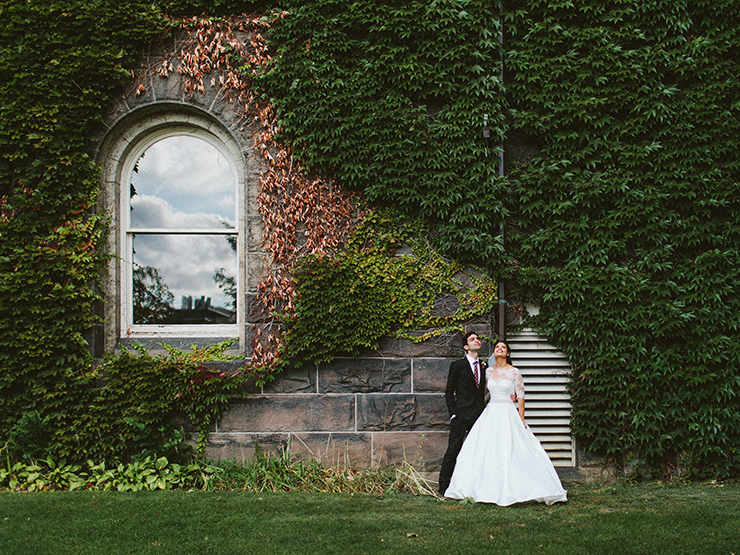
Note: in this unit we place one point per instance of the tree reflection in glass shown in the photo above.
(153, 300)
(183, 233)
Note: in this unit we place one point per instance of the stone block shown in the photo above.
(257, 268)
(401, 412)
(422, 450)
(255, 166)
(294, 380)
(168, 88)
(445, 305)
(116, 110)
(133, 96)
(220, 101)
(430, 374)
(337, 449)
(240, 447)
(290, 413)
(468, 278)
(255, 233)
(365, 375)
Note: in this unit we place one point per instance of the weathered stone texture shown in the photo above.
(399, 412)
(290, 413)
(257, 267)
(241, 446)
(350, 449)
(445, 345)
(423, 450)
(294, 380)
(365, 375)
(430, 374)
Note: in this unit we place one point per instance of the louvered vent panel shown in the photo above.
(545, 372)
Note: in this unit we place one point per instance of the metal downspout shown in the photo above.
(501, 285)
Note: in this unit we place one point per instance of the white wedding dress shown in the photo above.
(501, 461)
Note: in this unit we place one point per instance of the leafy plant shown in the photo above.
(61, 61)
(389, 99)
(349, 301)
(29, 438)
(132, 412)
(622, 210)
(627, 220)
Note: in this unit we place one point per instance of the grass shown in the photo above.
(614, 519)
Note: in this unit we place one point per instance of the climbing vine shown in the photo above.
(627, 227)
(389, 99)
(302, 214)
(308, 224)
(60, 63)
(620, 127)
(622, 175)
(346, 303)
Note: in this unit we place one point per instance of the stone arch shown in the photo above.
(156, 105)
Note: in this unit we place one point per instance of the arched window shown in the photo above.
(175, 184)
(181, 240)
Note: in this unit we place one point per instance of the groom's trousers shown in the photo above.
(459, 428)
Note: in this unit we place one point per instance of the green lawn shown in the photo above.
(614, 519)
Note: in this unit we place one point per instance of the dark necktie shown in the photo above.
(475, 372)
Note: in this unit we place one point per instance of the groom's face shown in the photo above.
(473, 343)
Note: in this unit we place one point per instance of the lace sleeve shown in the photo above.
(518, 383)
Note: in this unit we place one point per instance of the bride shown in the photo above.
(501, 461)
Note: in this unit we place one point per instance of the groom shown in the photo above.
(466, 385)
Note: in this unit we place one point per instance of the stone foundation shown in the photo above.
(359, 411)
(379, 409)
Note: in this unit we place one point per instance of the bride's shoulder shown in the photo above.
(510, 370)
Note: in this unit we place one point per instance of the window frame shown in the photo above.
(139, 139)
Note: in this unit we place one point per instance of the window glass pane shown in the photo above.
(184, 279)
(182, 182)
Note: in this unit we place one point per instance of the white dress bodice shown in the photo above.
(500, 390)
(503, 382)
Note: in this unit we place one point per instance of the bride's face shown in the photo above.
(500, 350)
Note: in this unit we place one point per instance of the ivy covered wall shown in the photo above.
(59, 64)
(627, 225)
(620, 127)
(621, 198)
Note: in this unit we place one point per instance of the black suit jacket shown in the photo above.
(464, 399)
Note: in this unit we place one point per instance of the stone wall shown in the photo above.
(385, 407)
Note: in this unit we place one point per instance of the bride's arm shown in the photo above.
(520, 401)
(519, 388)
